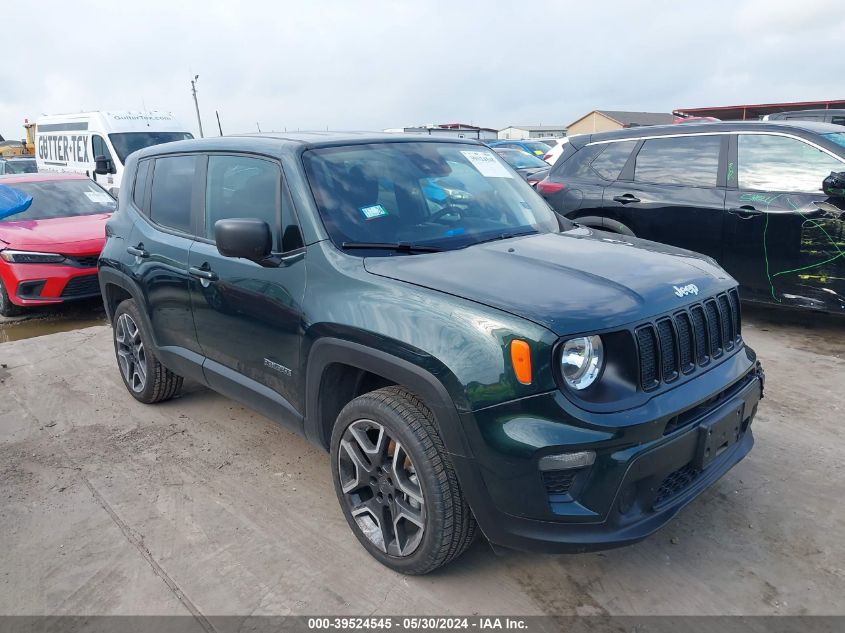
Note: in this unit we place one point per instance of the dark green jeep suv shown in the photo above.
(467, 357)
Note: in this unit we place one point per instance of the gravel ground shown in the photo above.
(201, 506)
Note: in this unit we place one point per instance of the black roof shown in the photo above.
(293, 141)
(804, 127)
(814, 112)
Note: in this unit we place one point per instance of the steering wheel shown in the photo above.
(446, 210)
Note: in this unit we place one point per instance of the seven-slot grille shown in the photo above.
(677, 344)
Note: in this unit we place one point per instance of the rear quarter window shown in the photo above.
(611, 161)
(577, 163)
(140, 188)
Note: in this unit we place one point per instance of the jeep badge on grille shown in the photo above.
(683, 291)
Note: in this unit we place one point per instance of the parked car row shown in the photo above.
(17, 165)
(761, 198)
(532, 168)
(49, 245)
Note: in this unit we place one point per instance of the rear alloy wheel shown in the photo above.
(7, 308)
(144, 376)
(131, 356)
(395, 482)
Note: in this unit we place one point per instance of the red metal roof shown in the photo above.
(755, 111)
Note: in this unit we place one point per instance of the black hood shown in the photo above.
(577, 281)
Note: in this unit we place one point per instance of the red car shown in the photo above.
(48, 253)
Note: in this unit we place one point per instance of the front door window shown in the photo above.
(766, 162)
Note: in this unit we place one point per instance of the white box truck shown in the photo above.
(74, 142)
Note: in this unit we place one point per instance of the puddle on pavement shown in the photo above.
(38, 322)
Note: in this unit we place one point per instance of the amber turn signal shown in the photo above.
(521, 359)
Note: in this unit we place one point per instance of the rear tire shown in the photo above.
(390, 469)
(144, 376)
(7, 308)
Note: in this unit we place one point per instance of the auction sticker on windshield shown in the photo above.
(374, 211)
(99, 197)
(487, 164)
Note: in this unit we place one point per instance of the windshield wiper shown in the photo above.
(504, 236)
(401, 247)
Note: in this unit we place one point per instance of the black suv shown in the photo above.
(412, 306)
(765, 200)
(837, 117)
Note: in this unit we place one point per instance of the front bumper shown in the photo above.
(645, 471)
(46, 284)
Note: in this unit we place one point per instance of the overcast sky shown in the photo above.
(372, 64)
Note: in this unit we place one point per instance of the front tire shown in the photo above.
(144, 376)
(396, 485)
(7, 308)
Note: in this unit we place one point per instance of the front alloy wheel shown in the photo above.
(131, 356)
(380, 488)
(396, 483)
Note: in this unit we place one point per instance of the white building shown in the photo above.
(533, 131)
(459, 130)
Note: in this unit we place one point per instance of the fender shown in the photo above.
(326, 351)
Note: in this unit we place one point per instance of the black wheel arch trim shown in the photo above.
(604, 224)
(179, 360)
(327, 351)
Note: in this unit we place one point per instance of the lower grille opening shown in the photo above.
(78, 287)
(558, 482)
(676, 482)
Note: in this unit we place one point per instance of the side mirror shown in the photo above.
(249, 238)
(834, 185)
(103, 166)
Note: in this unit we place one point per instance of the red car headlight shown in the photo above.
(27, 257)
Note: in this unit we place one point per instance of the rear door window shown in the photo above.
(680, 160)
(172, 192)
(766, 162)
(610, 162)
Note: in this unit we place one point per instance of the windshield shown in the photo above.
(443, 195)
(538, 148)
(128, 142)
(521, 160)
(836, 137)
(21, 166)
(61, 199)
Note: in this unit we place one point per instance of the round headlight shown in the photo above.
(581, 361)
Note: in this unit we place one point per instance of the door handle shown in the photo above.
(626, 198)
(746, 212)
(137, 251)
(203, 273)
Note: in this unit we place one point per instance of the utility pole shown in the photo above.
(196, 103)
(219, 127)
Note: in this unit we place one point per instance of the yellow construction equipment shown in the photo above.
(30, 137)
(18, 148)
